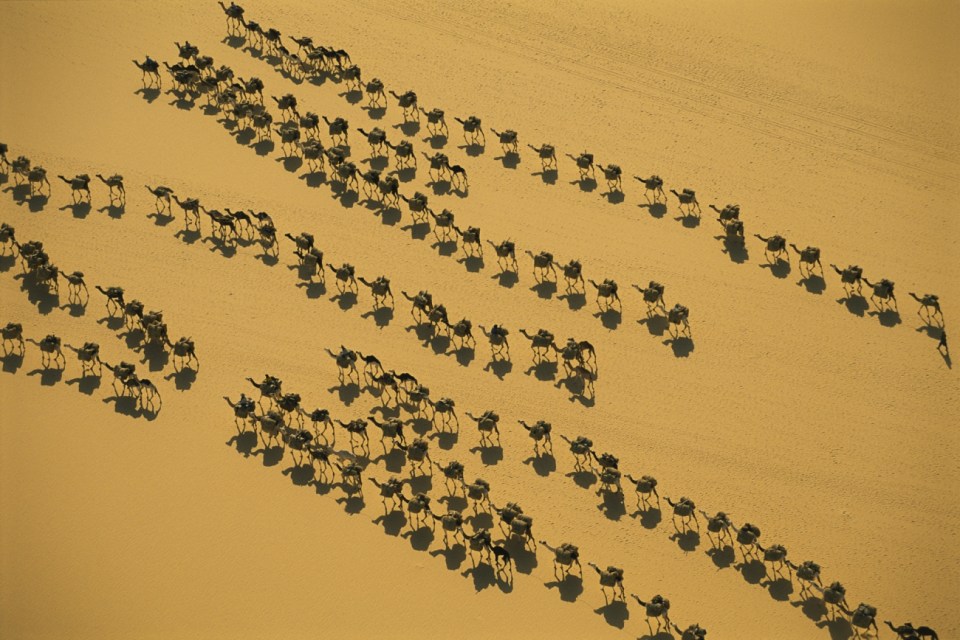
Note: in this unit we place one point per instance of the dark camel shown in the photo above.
(851, 276)
(184, 354)
(506, 255)
(809, 257)
(508, 140)
(775, 249)
(573, 274)
(907, 631)
(473, 131)
(542, 343)
(149, 68)
(436, 122)
(612, 173)
(191, 211)
(645, 486)
(51, 352)
(470, 241)
(684, 509)
(408, 102)
(539, 432)
(339, 130)
(422, 304)
(862, 618)
(929, 307)
(653, 296)
(404, 153)
(607, 292)
(499, 344)
(658, 608)
(581, 447)
(883, 292)
(346, 364)
(13, 333)
(115, 184)
(543, 266)
(565, 555)
(808, 573)
(719, 527)
(79, 187)
(419, 206)
(688, 198)
(380, 289)
(611, 578)
(655, 184)
(377, 139)
(375, 93)
(548, 156)
(584, 163)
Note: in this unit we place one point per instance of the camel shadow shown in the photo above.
(445, 439)
(12, 362)
(86, 384)
(48, 376)
(381, 317)
(682, 346)
(735, 249)
(887, 317)
(659, 635)
(575, 301)
(779, 589)
(111, 322)
(420, 425)
(243, 443)
(7, 262)
(570, 588)
(345, 301)
(189, 236)
(855, 304)
(614, 613)
(409, 128)
(656, 324)
(225, 249)
(128, 406)
(418, 230)
(454, 556)
(483, 576)
(313, 290)
(812, 607)
(839, 628)
(264, 147)
(183, 379)
(37, 203)
(587, 185)
(155, 356)
(445, 248)
(780, 269)
(649, 518)
(464, 355)
(612, 505)
(420, 539)
(489, 455)
(271, 456)
(813, 284)
(392, 522)
(390, 216)
(439, 344)
(509, 160)
(161, 219)
(149, 95)
(421, 483)
(406, 174)
(473, 264)
(300, 474)
(39, 295)
(548, 176)
(347, 393)
(352, 504)
(506, 279)
(753, 572)
(543, 464)
(613, 197)
(454, 502)
(499, 368)
(688, 540)
(244, 137)
(610, 319)
(115, 211)
(440, 187)
(393, 461)
(473, 149)
(656, 210)
(545, 371)
(375, 113)
(314, 179)
(545, 289)
(689, 221)
(723, 557)
(583, 479)
(79, 210)
(524, 559)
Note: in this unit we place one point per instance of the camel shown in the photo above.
(145, 392)
(653, 296)
(907, 631)
(539, 432)
(37, 177)
(371, 183)
(574, 353)
(458, 177)
(314, 153)
(346, 363)
(446, 409)
(808, 572)
(658, 608)
(776, 555)
(8, 237)
(4, 149)
(375, 93)
(339, 129)
(655, 184)
(121, 372)
(507, 513)
(470, 241)
(452, 524)
(478, 492)
(12, 332)
(584, 163)
(21, 169)
(347, 171)
(502, 556)
(403, 152)
(732, 230)
(149, 68)
(242, 222)
(392, 429)
(390, 490)
(418, 397)
(408, 102)
(775, 249)
(380, 289)
(114, 296)
(687, 197)
(351, 74)
(573, 274)
(543, 266)
(439, 319)
(191, 211)
(222, 225)
(508, 140)
(486, 425)
(439, 166)
(444, 222)
(607, 292)
(679, 316)
(299, 441)
(320, 419)
(244, 411)
(114, 183)
(611, 578)
(357, 430)
(351, 475)
(835, 595)
(610, 481)
(718, 525)
(376, 138)
(521, 526)
(862, 618)
(419, 206)
(48, 275)
(187, 51)
(133, 315)
(693, 632)
(565, 555)
(436, 122)
(78, 291)
(883, 291)
(747, 538)
(473, 131)
(809, 257)
(506, 252)
(929, 306)
(462, 330)
(234, 15)
(548, 156)
(452, 475)
(850, 276)
(50, 351)
(304, 242)
(685, 510)
(645, 486)
(542, 343)
(289, 134)
(184, 354)
(581, 447)
(612, 173)
(418, 453)
(422, 304)
(499, 344)
(728, 213)
(588, 378)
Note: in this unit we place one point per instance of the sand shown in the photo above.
(834, 124)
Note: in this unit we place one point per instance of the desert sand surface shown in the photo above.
(789, 405)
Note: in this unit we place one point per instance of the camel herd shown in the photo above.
(279, 420)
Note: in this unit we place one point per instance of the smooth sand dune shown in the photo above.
(832, 124)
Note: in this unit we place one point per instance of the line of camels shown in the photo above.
(278, 418)
(337, 64)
